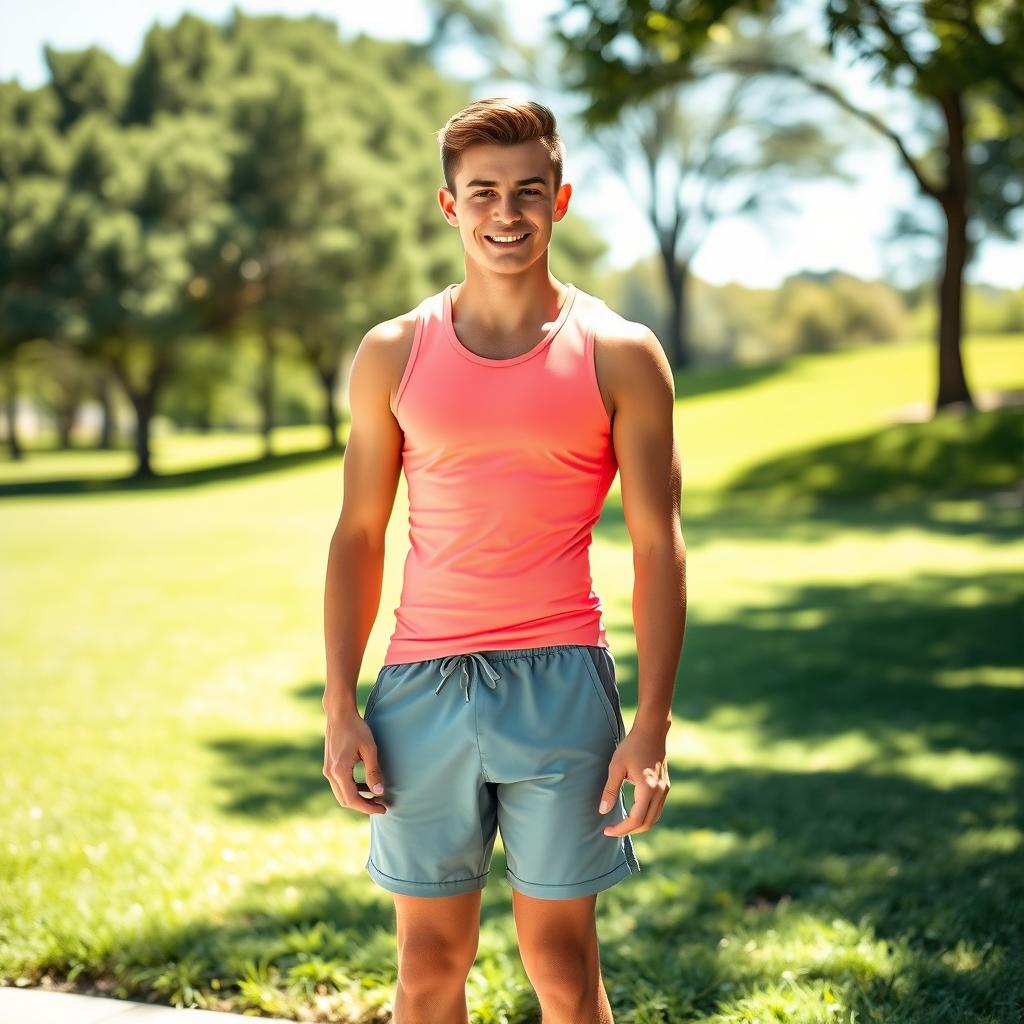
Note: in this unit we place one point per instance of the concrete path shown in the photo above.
(37, 1006)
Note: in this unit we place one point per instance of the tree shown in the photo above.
(141, 230)
(962, 59)
(326, 179)
(733, 156)
(252, 175)
(33, 161)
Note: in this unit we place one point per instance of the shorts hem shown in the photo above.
(404, 887)
(570, 890)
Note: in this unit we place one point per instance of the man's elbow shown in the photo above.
(665, 541)
(369, 535)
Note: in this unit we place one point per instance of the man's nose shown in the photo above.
(508, 210)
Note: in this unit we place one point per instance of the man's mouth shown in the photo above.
(507, 241)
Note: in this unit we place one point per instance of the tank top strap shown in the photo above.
(427, 320)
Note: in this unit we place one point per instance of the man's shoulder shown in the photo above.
(628, 353)
(387, 345)
(611, 327)
(393, 332)
(389, 342)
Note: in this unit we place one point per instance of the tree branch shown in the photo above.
(826, 89)
(894, 37)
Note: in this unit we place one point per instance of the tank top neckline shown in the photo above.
(453, 338)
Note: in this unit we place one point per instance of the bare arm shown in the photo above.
(355, 561)
(651, 483)
(641, 383)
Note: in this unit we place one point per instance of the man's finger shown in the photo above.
(354, 800)
(610, 793)
(654, 809)
(637, 813)
(335, 788)
(662, 795)
(343, 784)
(374, 779)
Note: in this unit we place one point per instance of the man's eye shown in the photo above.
(489, 191)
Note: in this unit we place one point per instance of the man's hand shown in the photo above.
(640, 758)
(349, 741)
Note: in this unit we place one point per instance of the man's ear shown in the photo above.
(447, 203)
(562, 201)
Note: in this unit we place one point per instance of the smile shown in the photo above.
(507, 241)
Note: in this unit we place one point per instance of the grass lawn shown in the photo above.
(843, 837)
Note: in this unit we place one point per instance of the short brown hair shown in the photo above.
(499, 121)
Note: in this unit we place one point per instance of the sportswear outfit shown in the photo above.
(507, 464)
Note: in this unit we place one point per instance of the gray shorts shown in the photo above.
(511, 740)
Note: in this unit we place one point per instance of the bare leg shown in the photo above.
(438, 937)
(559, 949)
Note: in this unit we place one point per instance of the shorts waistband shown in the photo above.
(526, 652)
(503, 654)
(481, 663)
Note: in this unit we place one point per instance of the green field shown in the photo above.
(843, 837)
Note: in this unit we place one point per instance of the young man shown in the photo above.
(511, 400)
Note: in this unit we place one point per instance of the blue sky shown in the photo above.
(837, 225)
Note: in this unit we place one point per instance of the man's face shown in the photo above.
(505, 191)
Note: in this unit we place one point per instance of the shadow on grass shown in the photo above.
(707, 381)
(896, 877)
(220, 473)
(993, 518)
(924, 660)
(954, 481)
(860, 879)
(948, 455)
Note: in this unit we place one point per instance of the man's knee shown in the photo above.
(561, 970)
(429, 960)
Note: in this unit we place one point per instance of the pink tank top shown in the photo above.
(507, 463)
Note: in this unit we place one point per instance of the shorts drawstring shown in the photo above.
(451, 663)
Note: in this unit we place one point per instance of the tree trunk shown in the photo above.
(143, 419)
(11, 411)
(144, 404)
(677, 342)
(952, 384)
(65, 418)
(204, 418)
(106, 399)
(266, 389)
(329, 380)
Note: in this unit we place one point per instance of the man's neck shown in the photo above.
(505, 306)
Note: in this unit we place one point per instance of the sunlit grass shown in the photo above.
(843, 836)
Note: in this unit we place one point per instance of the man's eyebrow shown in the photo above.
(524, 181)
